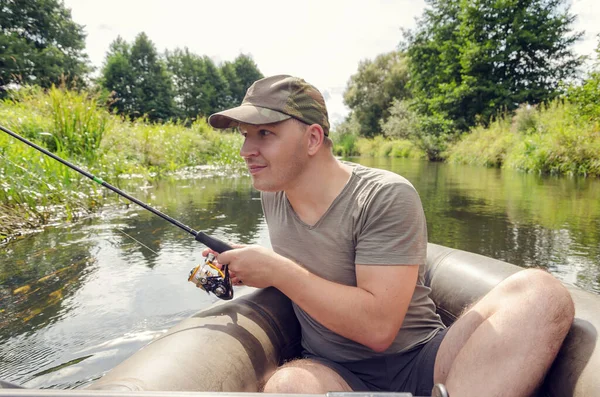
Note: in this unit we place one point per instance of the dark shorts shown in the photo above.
(409, 372)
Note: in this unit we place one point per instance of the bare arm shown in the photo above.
(370, 313)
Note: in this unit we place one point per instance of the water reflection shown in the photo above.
(528, 220)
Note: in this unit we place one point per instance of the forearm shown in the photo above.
(352, 312)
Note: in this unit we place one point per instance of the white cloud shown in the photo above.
(321, 41)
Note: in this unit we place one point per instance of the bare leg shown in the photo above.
(305, 376)
(506, 342)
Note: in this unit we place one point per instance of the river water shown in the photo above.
(77, 299)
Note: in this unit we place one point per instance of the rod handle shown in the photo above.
(213, 243)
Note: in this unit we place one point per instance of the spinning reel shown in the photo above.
(212, 279)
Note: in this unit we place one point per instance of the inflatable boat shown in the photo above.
(234, 346)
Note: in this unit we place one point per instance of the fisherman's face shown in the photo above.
(275, 154)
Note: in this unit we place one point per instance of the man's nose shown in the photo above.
(249, 148)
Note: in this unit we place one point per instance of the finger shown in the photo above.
(223, 257)
(236, 281)
(207, 251)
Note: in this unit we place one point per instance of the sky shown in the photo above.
(321, 41)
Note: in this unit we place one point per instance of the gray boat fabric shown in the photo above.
(235, 346)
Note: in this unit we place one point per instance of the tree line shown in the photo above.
(41, 45)
(467, 63)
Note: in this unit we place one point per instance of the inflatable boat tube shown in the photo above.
(236, 345)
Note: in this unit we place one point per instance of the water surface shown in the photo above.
(77, 299)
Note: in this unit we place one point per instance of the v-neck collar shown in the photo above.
(349, 182)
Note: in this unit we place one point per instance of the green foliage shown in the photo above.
(40, 44)
(217, 88)
(239, 74)
(471, 60)
(34, 189)
(555, 141)
(183, 85)
(118, 77)
(382, 147)
(430, 134)
(485, 146)
(525, 120)
(586, 97)
(64, 121)
(194, 88)
(402, 122)
(344, 137)
(371, 90)
(139, 79)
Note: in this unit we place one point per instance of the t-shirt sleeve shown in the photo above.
(393, 230)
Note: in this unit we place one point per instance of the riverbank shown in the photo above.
(36, 190)
(556, 139)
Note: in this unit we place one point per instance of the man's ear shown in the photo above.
(316, 136)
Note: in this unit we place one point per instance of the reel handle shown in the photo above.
(213, 243)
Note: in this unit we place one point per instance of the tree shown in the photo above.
(235, 87)
(189, 77)
(247, 73)
(371, 90)
(118, 77)
(40, 44)
(472, 59)
(240, 74)
(586, 97)
(215, 87)
(203, 88)
(139, 79)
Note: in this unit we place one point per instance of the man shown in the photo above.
(349, 248)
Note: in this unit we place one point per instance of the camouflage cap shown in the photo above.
(274, 99)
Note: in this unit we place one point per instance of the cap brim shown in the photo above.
(248, 114)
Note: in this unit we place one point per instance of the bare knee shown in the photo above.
(305, 376)
(292, 380)
(548, 298)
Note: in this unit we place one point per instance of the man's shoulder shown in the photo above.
(270, 200)
(377, 179)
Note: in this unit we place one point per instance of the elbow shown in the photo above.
(380, 341)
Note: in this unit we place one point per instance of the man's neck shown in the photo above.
(317, 188)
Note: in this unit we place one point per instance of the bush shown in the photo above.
(484, 146)
(525, 120)
(35, 188)
(344, 137)
(430, 134)
(552, 139)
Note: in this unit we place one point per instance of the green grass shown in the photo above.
(347, 145)
(35, 189)
(552, 139)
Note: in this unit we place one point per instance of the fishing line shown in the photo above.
(137, 241)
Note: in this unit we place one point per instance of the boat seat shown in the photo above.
(235, 346)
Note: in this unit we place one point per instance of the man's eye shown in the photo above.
(264, 132)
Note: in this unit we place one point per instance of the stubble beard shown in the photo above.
(283, 176)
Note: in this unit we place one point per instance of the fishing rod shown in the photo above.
(208, 277)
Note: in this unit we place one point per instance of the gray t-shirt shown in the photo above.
(377, 219)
